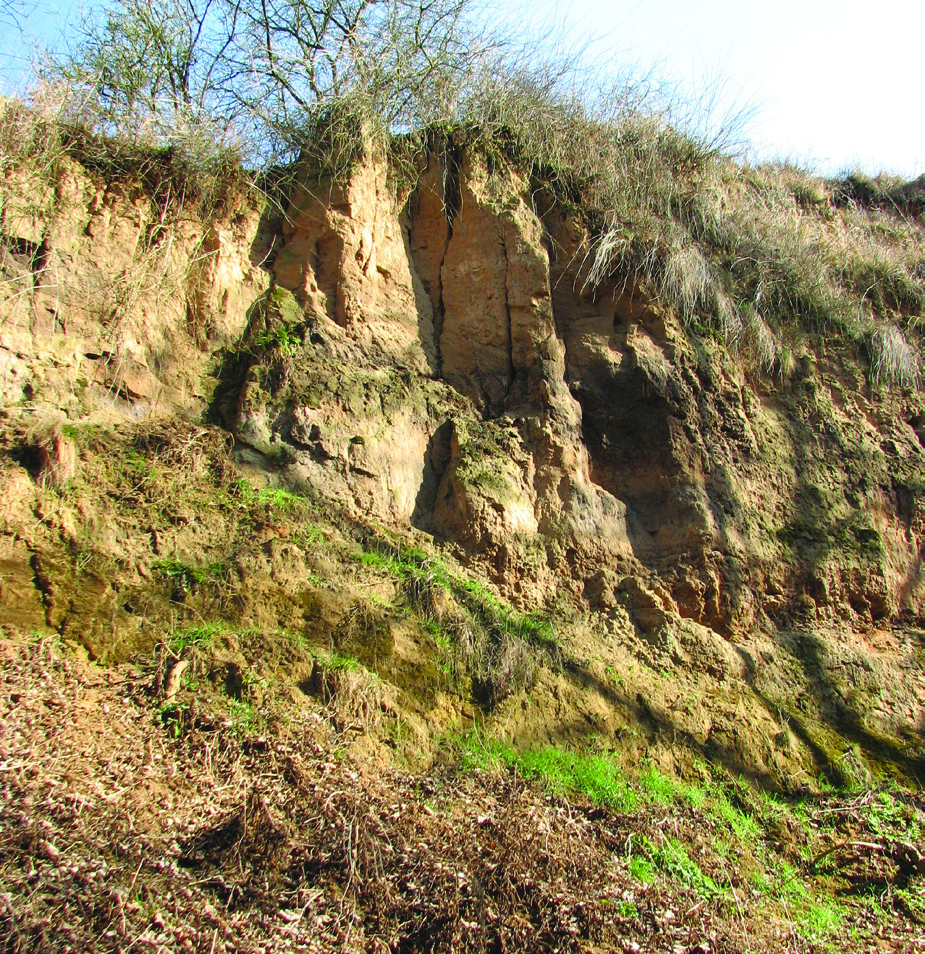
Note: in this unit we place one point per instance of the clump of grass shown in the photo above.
(248, 497)
(893, 359)
(628, 909)
(276, 323)
(785, 883)
(499, 647)
(334, 661)
(199, 636)
(175, 718)
(741, 823)
(671, 857)
(188, 577)
(642, 869)
(664, 790)
(818, 919)
(352, 694)
(279, 499)
(28, 135)
(284, 340)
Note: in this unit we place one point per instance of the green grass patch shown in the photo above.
(496, 645)
(671, 857)
(407, 564)
(205, 634)
(501, 619)
(174, 717)
(309, 535)
(560, 771)
(188, 576)
(279, 499)
(819, 919)
(334, 661)
(642, 869)
(785, 883)
(480, 753)
(284, 339)
(628, 910)
(568, 773)
(419, 569)
(661, 789)
(742, 824)
(891, 818)
(197, 636)
(245, 717)
(272, 498)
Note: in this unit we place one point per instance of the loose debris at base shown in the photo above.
(118, 832)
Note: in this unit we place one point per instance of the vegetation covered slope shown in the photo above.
(185, 825)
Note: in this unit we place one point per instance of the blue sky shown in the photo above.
(834, 85)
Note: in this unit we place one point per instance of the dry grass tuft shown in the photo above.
(893, 359)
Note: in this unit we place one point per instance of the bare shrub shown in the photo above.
(269, 77)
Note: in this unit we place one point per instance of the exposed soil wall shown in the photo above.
(745, 550)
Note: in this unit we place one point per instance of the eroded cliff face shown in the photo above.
(586, 422)
(113, 301)
(744, 550)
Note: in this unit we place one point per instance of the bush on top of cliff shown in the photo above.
(266, 75)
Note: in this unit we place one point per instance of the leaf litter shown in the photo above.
(117, 834)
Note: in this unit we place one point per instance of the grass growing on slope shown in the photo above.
(759, 256)
(567, 773)
(561, 771)
(498, 646)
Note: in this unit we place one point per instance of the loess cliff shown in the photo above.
(398, 416)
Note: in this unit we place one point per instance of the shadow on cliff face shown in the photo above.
(834, 567)
(232, 364)
(854, 516)
(844, 717)
(656, 728)
(625, 433)
(427, 231)
(834, 723)
(436, 461)
(826, 766)
(651, 432)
